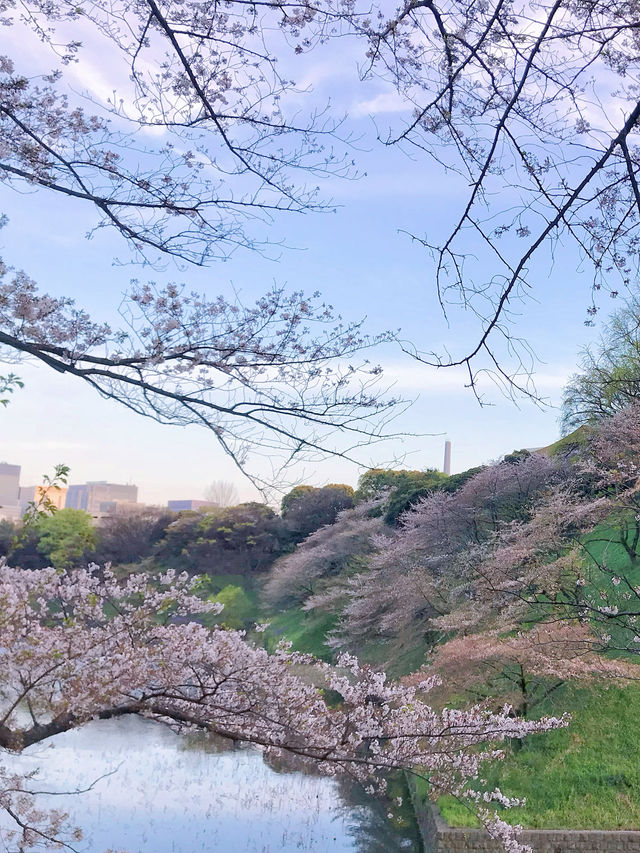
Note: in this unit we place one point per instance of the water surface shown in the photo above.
(173, 794)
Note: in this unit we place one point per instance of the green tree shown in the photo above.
(66, 538)
(293, 497)
(409, 490)
(456, 481)
(243, 539)
(404, 488)
(306, 509)
(609, 377)
(7, 536)
(377, 480)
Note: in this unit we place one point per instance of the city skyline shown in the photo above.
(97, 497)
(92, 493)
(91, 430)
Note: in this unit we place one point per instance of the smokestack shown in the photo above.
(447, 457)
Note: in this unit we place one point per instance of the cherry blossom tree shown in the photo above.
(534, 105)
(572, 560)
(521, 668)
(284, 376)
(514, 100)
(326, 554)
(203, 81)
(418, 573)
(79, 645)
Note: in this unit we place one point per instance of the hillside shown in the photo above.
(522, 585)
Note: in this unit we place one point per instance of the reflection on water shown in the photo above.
(175, 795)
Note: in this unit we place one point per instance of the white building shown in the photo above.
(10, 492)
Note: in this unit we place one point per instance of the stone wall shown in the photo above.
(439, 837)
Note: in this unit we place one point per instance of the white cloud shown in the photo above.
(323, 72)
(385, 102)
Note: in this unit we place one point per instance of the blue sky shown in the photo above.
(360, 261)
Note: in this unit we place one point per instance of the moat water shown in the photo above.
(152, 791)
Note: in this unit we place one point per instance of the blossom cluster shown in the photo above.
(81, 644)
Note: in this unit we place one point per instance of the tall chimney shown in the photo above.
(447, 457)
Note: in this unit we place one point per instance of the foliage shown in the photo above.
(456, 481)
(379, 481)
(293, 496)
(43, 505)
(130, 537)
(305, 509)
(411, 488)
(8, 384)
(24, 548)
(8, 532)
(238, 608)
(609, 377)
(24, 551)
(246, 538)
(66, 538)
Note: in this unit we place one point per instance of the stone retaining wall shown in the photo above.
(439, 837)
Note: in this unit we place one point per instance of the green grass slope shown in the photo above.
(586, 776)
(305, 630)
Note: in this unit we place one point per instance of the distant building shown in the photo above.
(90, 496)
(181, 506)
(9, 491)
(76, 497)
(121, 507)
(35, 494)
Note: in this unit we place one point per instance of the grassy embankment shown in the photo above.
(586, 776)
(308, 630)
(305, 630)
